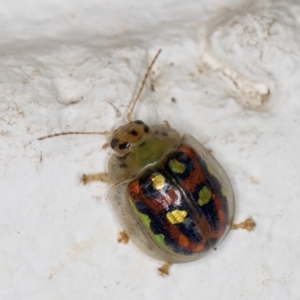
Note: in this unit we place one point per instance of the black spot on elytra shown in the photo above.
(114, 143)
(124, 146)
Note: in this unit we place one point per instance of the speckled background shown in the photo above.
(232, 68)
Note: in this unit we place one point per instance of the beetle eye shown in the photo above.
(114, 143)
(124, 146)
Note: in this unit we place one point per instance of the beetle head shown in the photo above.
(127, 135)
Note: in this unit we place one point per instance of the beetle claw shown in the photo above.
(123, 237)
(164, 269)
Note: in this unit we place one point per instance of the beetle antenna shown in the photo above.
(107, 133)
(142, 85)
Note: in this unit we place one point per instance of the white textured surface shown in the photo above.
(75, 66)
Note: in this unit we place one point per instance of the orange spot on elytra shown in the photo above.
(183, 240)
(198, 248)
(134, 188)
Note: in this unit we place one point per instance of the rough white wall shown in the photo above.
(233, 69)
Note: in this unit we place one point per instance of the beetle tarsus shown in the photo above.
(164, 269)
(95, 177)
(248, 224)
(123, 237)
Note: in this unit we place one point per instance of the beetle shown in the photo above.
(171, 196)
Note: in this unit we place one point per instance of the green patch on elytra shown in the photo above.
(159, 238)
(204, 196)
(176, 166)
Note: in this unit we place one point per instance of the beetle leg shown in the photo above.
(248, 224)
(105, 146)
(164, 269)
(166, 123)
(123, 237)
(95, 177)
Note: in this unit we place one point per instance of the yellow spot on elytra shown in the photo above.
(176, 216)
(176, 166)
(204, 196)
(158, 180)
